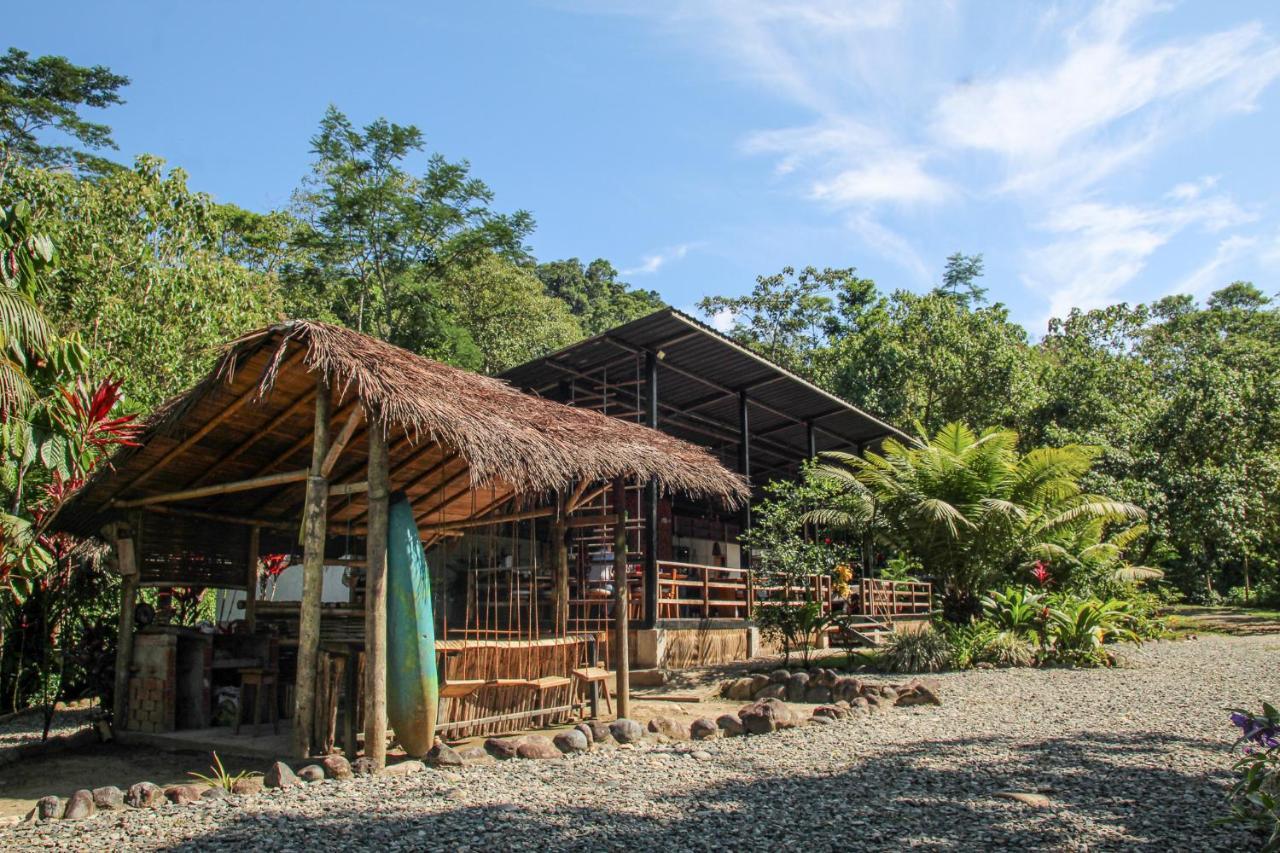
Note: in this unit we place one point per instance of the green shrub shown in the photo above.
(1263, 594)
(1016, 609)
(1078, 628)
(966, 641)
(915, 651)
(1006, 649)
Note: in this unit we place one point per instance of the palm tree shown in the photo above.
(24, 330)
(969, 506)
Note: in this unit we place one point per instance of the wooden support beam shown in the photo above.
(313, 538)
(236, 405)
(375, 601)
(128, 560)
(560, 567)
(621, 594)
(744, 466)
(340, 443)
(484, 521)
(247, 521)
(219, 489)
(650, 510)
(259, 434)
(251, 579)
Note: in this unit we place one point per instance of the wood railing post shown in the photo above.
(706, 593)
(621, 594)
(128, 562)
(751, 592)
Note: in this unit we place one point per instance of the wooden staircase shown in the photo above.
(861, 629)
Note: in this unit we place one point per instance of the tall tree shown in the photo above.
(594, 293)
(47, 93)
(377, 238)
(960, 278)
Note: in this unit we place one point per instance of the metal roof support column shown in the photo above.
(744, 467)
(651, 531)
(812, 435)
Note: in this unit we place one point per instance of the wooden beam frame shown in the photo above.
(313, 539)
(375, 604)
(219, 489)
(239, 450)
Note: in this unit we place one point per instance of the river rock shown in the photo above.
(742, 688)
(336, 767)
(600, 731)
(780, 676)
(537, 747)
(476, 755)
(766, 715)
(730, 724)
(404, 768)
(626, 731)
(703, 729)
(920, 691)
(669, 727)
(247, 785)
(796, 686)
(144, 795)
(441, 755)
(214, 792)
(773, 691)
(363, 766)
(108, 798)
(502, 748)
(817, 694)
(183, 795)
(572, 741)
(311, 773)
(280, 775)
(587, 733)
(49, 808)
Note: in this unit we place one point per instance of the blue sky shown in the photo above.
(1093, 152)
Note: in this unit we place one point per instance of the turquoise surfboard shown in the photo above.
(413, 693)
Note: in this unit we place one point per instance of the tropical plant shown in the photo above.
(1255, 797)
(925, 650)
(1017, 610)
(969, 506)
(1078, 628)
(967, 641)
(220, 778)
(25, 334)
(795, 626)
(1006, 649)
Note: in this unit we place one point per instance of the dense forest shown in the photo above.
(122, 277)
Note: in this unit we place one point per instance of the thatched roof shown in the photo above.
(452, 433)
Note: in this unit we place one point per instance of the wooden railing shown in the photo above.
(717, 592)
(887, 600)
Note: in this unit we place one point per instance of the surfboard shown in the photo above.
(413, 692)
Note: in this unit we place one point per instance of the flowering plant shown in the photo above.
(269, 568)
(1040, 571)
(1255, 798)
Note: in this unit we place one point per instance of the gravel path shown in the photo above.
(27, 728)
(1133, 757)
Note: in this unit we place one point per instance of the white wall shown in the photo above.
(288, 587)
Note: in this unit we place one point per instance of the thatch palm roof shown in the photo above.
(460, 442)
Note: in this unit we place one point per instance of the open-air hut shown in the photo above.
(294, 443)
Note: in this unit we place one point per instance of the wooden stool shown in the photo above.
(595, 675)
(263, 682)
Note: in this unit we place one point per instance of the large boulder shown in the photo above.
(759, 681)
(108, 797)
(730, 724)
(703, 729)
(144, 795)
(780, 676)
(669, 727)
(626, 731)
(825, 677)
(538, 747)
(796, 686)
(587, 732)
(280, 775)
(571, 742)
(443, 755)
(502, 748)
(740, 688)
(846, 688)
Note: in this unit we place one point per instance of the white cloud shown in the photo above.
(722, 320)
(650, 264)
(1100, 248)
(1209, 276)
(890, 244)
(1105, 103)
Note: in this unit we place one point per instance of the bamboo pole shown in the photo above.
(375, 602)
(128, 564)
(219, 489)
(313, 539)
(560, 566)
(251, 579)
(621, 594)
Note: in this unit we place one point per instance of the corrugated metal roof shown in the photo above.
(704, 370)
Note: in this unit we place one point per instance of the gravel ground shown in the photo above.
(1130, 758)
(27, 728)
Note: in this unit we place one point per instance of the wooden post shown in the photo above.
(251, 580)
(314, 516)
(127, 561)
(744, 468)
(375, 601)
(621, 594)
(559, 541)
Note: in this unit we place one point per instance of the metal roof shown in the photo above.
(701, 374)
